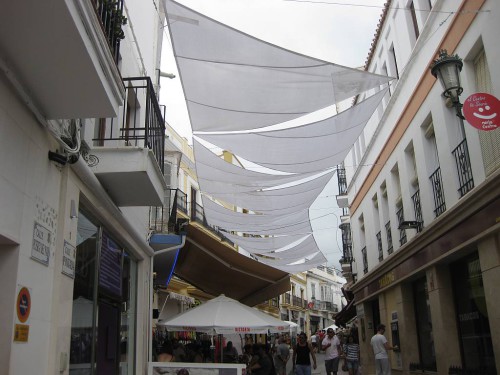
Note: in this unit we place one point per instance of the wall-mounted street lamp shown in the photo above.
(413, 224)
(447, 69)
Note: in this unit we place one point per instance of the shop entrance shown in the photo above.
(107, 354)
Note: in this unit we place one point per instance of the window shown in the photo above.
(393, 63)
(365, 260)
(414, 20)
(434, 169)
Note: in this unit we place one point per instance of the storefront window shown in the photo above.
(472, 316)
(424, 326)
(104, 304)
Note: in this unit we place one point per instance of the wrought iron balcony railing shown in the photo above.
(379, 246)
(417, 208)
(464, 170)
(140, 122)
(342, 179)
(402, 233)
(365, 260)
(437, 188)
(388, 232)
(110, 14)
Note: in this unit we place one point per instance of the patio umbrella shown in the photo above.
(333, 326)
(224, 315)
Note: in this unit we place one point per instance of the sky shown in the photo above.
(339, 31)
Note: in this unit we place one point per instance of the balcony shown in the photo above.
(130, 148)
(342, 199)
(60, 55)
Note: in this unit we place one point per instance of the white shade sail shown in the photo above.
(285, 262)
(215, 174)
(255, 224)
(315, 261)
(233, 81)
(307, 148)
(279, 201)
(259, 245)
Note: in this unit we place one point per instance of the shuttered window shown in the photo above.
(489, 140)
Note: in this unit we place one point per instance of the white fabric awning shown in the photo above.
(295, 267)
(307, 148)
(257, 224)
(233, 81)
(279, 201)
(215, 174)
(260, 245)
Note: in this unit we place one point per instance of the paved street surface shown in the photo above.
(320, 369)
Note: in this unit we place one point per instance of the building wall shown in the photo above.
(34, 189)
(397, 131)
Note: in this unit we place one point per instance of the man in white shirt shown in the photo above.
(333, 351)
(380, 347)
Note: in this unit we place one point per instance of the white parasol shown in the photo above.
(224, 315)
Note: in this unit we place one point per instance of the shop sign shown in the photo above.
(69, 260)
(386, 280)
(42, 238)
(482, 111)
(21, 332)
(360, 310)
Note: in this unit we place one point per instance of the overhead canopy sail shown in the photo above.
(279, 201)
(260, 245)
(233, 81)
(307, 148)
(216, 175)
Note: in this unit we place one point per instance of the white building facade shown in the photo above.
(418, 164)
(75, 194)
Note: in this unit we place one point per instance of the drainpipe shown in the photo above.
(150, 328)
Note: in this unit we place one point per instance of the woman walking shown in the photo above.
(352, 356)
(302, 354)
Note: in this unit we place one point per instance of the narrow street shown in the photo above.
(320, 369)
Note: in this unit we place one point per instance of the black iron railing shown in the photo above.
(163, 219)
(110, 14)
(140, 122)
(402, 233)
(287, 298)
(346, 241)
(437, 188)
(388, 233)
(464, 170)
(181, 201)
(365, 260)
(379, 246)
(342, 178)
(417, 208)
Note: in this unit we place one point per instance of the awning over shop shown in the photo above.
(346, 314)
(210, 265)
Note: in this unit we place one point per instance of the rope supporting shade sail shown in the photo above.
(302, 149)
(233, 81)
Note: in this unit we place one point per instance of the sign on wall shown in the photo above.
(482, 111)
(69, 260)
(23, 309)
(42, 239)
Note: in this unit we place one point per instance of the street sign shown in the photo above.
(23, 305)
(482, 111)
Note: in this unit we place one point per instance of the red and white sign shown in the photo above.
(482, 111)
(23, 304)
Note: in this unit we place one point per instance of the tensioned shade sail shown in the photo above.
(230, 220)
(264, 244)
(318, 260)
(214, 174)
(316, 257)
(307, 148)
(279, 201)
(233, 81)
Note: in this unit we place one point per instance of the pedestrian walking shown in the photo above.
(281, 356)
(302, 354)
(352, 356)
(333, 351)
(380, 347)
(263, 365)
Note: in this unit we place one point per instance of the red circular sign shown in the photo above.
(23, 305)
(482, 111)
